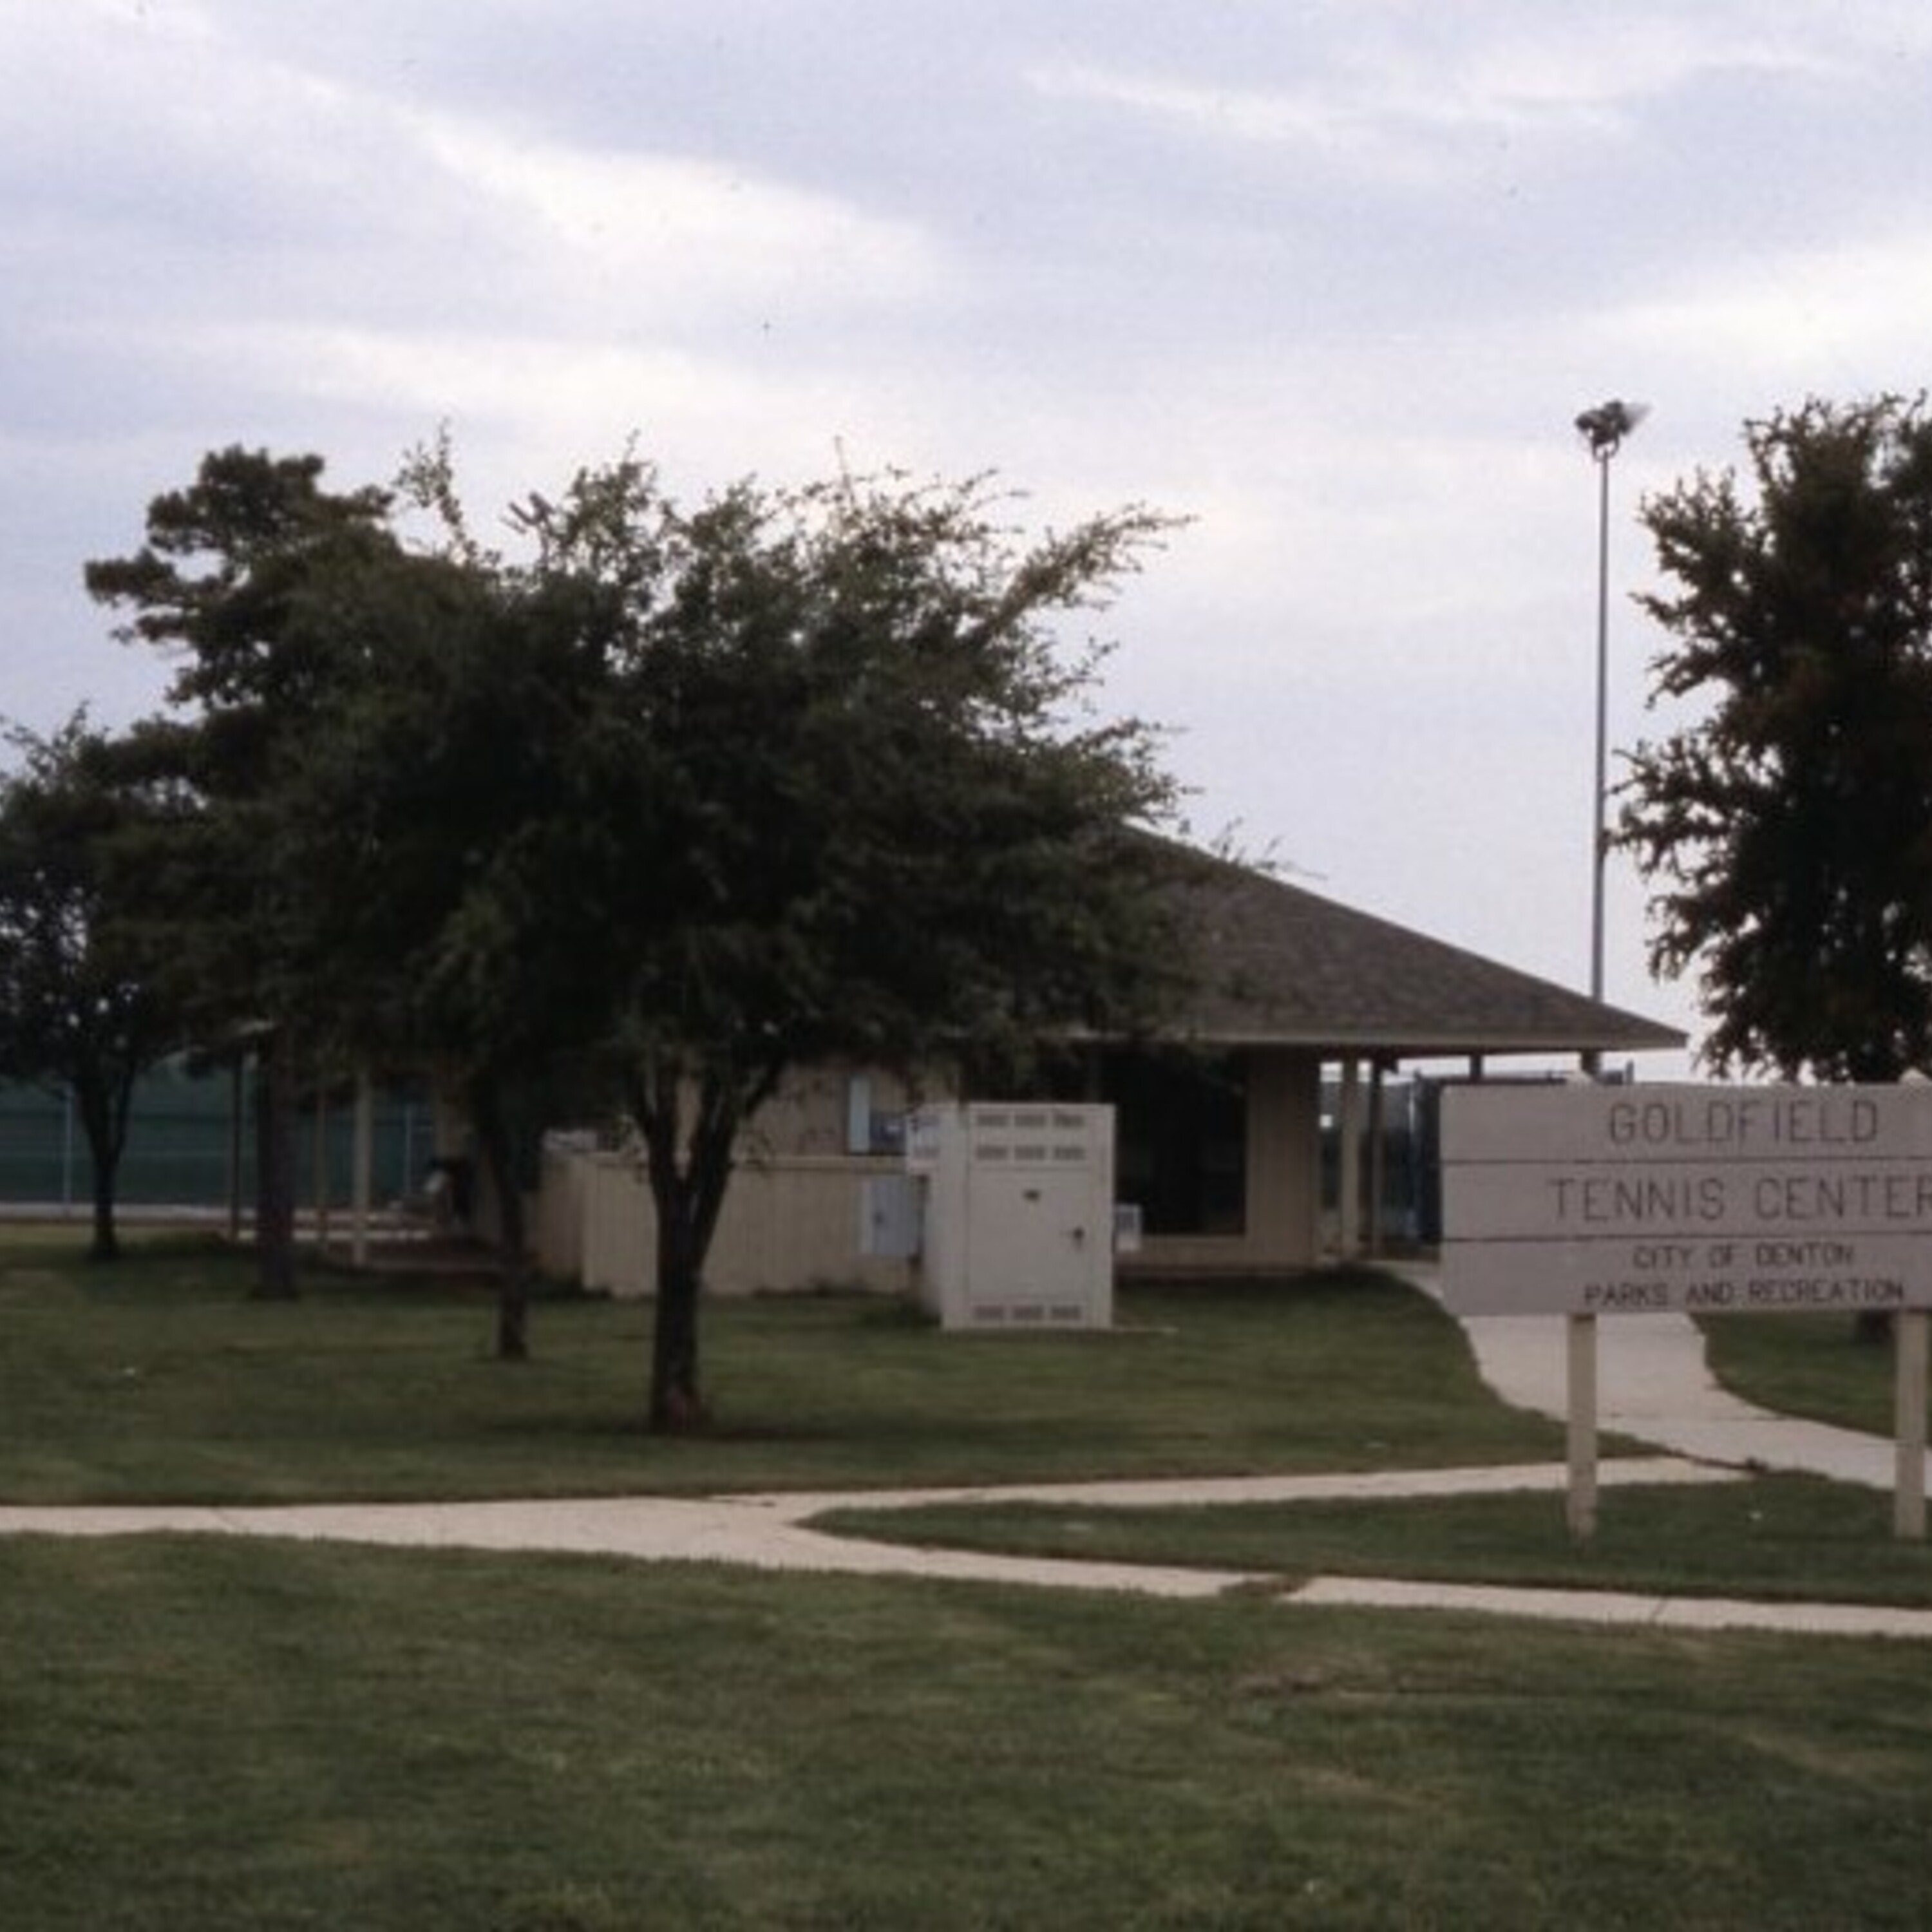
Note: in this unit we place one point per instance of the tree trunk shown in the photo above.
(103, 1165)
(105, 1245)
(689, 1174)
(677, 1401)
(104, 1127)
(275, 1177)
(499, 1162)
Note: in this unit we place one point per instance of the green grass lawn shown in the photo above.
(1793, 1537)
(1808, 1365)
(218, 1735)
(160, 1379)
(1782, 1537)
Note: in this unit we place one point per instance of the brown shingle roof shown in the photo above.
(1281, 966)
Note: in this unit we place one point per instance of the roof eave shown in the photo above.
(1650, 1039)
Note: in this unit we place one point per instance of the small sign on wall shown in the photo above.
(1590, 1200)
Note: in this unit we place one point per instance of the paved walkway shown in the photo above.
(774, 1531)
(1652, 1384)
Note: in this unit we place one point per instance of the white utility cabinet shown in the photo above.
(1018, 1214)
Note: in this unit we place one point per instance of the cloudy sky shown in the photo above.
(1332, 278)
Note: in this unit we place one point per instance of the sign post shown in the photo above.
(1908, 1509)
(1582, 1505)
(1584, 1201)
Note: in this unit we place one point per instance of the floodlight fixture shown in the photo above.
(1604, 428)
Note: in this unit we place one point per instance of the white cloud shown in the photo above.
(1414, 91)
(526, 410)
(690, 233)
(1846, 317)
(1596, 71)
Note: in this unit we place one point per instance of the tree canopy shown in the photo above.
(1786, 827)
(679, 797)
(239, 579)
(844, 799)
(83, 1007)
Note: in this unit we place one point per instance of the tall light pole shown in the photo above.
(1603, 429)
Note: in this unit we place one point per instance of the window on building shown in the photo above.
(1181, 1140)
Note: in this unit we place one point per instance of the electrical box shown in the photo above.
(892, 1209)
(1018, 1216)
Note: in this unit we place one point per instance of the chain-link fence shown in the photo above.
(189, 1147)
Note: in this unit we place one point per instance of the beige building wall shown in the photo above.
(789, 1222)
(793, 1217)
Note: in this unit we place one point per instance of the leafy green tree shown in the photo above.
(682, 798)
(236, 578)
(1786, 827)
(435, 812)
(850, 798)
(81, 1009)
(368, 740)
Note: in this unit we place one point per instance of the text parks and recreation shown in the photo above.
(1594, 1200)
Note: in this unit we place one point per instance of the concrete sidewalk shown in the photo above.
(1653, 1384)
(774, 1531)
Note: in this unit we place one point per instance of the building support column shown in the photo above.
(1377, 1177)
(1349, 1164)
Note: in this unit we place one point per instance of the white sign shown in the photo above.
(1590, 1200)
